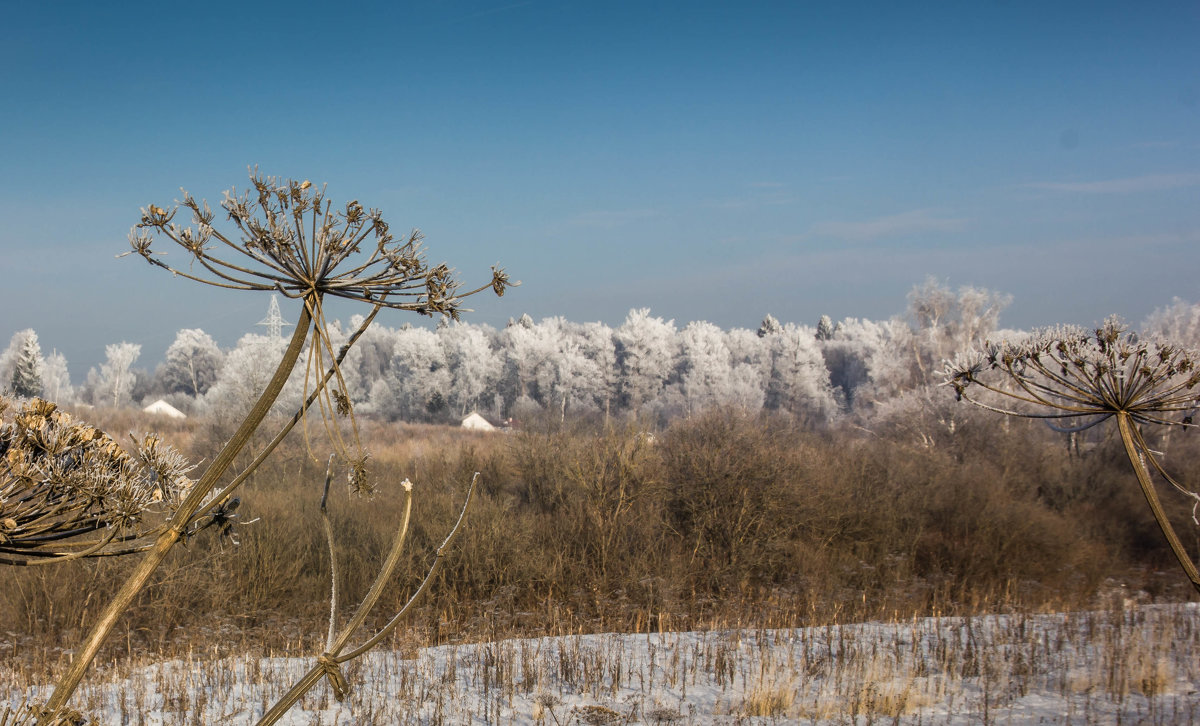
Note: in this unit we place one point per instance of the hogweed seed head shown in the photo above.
(65, 486)
(1091, 376)
(285, 236)
(289, 239)
(1067, 372)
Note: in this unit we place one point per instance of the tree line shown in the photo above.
(647, 366)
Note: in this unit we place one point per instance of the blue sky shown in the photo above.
(709, 160)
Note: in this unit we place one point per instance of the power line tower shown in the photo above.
(274, 320)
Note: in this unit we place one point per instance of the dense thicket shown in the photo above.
(719, 517)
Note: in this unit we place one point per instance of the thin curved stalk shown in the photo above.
(333, 567)
(54, 558)
(1075, 429)
(328, 662)
(385, 574)
(178, 523)
(1158, 467)
(437, 561)
(1160, 516)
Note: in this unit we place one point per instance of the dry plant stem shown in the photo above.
(327, 663)
(179, 523)
(60, 557)
(1143, 476)
(333, 566)
(287, 428)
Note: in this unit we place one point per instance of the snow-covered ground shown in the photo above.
(1140, 665)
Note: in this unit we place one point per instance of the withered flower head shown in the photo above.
(68, 490)
(286, 236)
(1069, 372)
(359, 477)
(289, 238)
(342, 400)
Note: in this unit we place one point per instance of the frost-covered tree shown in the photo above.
(798, 380)
(367, 362)
(946, 321)
(750, 367)
(930, 304)
(868, 357)
(769, 326)
(27, 366)
(978, 313)
(245, 370)
(531, 362)
(8, 357)
(707, 375)
(114, 383)
(646, 349)
(557, 364)
(474, 366)
(56, 379)
(1179, 322)
(418, 379)
(597, 346)
(583, 361)
(824, 328)
(192, 363)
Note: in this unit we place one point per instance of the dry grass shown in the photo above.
(1096, 667)
(721, 522)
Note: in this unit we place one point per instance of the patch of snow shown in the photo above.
(1131, 666)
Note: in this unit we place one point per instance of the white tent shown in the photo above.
(162, 407)
(476, 422)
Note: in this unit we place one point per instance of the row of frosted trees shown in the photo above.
(646, 366)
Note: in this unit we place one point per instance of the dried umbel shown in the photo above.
(1071, 374)
(291, 240)
(67, 490)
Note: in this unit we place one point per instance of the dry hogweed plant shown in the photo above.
(285, 236)
(68, 490)
(1070, 374)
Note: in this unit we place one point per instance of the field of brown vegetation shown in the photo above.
(719, 520)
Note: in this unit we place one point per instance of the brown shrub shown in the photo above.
(721, 518)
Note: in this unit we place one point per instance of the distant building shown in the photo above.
(475, 422)
(162, 407)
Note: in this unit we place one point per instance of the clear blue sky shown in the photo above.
(709, 160)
